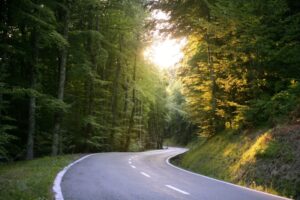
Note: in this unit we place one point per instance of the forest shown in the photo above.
(241, 65)
(74, 77)
(238, 87)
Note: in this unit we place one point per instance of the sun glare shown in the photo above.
(159, 15)
(166, 53)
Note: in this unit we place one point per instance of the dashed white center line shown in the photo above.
(178, 190)
(129, 162)
(133, 166)
(147, 175)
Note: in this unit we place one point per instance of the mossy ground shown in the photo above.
(31, 180)
(265, 159)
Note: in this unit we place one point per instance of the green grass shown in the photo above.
(271, 151)
(252, 159)
(31, 180)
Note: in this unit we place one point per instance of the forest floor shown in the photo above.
(33, 179)
(265, 159)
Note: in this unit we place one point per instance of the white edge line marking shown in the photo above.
(133, 166)
(168, 162)
(178, 190)
(147, 175)
(56, 185)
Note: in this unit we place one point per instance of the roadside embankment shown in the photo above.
(263, 159)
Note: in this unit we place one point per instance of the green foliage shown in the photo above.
(106, 82)
(179, 128)
(240, 71)
(272, 109)
(54, 105)
(5, 140)
(239, 61)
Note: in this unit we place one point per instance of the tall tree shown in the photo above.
(63, 16)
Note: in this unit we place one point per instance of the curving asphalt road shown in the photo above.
(146, 176)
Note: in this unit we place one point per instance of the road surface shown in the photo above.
(145, 176)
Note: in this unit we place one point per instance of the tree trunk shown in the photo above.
(125, 112)
(158, 129)
(4, 17)
(88, 129)
(131, 119)
(126, 98)
(56, 147)
(212, 86)
(89, 85)
(130, 126)
(32, 98)
(141, 126)
(114, 105)
(1, 99)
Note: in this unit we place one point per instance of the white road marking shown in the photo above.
(178, 190)
(147, 175)
(133, 166)
(129, 162)
(56, 185)
(129, 159)
(220, 181)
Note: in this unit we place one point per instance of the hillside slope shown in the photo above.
(264, 159)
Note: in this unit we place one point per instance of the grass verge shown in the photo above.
(266, 159)
(31, 180)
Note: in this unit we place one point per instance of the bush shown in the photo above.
(271, 109)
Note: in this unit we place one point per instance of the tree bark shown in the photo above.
(212, 85)
(1, 99)
(131, 119)
(32, 98)
(56, 147)
(125, 111)
(4, 18)
(130, 126)
(141, 126)
(114, 105)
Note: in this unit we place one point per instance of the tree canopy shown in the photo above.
(241, 65)
(74, 78)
